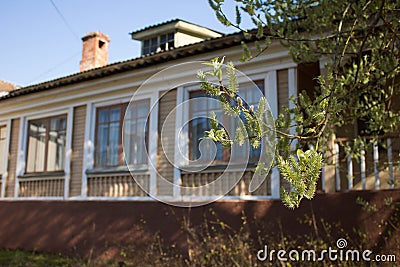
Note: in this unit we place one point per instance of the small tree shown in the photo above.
(360, 42)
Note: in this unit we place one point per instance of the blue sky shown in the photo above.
(38, 45)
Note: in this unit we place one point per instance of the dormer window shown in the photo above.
(171, 34)
(167, 41)
(160, 43)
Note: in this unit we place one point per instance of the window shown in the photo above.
(3, 136)
(160, 43)
(108, 149)
(200, 110)
(153, 45)
(167, 41)
(136, 133)
(146, 47)
(199, 123)
(46, 144)
(108, 137)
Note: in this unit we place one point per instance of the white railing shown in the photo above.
(217, 185)
(41, 187)
(375, 168)
(117, 185)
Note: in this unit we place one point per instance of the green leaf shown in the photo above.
(213, 121)
(260, 30)
(222, 19)
(241, 134)
(238, 16)
(215, 6)
(233, 85)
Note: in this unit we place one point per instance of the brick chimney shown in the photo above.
(94, 51)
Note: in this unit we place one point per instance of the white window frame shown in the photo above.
(182, 139)
(183, 116)
(95, 121)
(89, 147)
(103, 104)
(4, 175)
(158, 43)
(23, 153)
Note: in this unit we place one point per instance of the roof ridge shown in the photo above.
(171, 21)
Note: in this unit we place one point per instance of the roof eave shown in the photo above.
(136, 63)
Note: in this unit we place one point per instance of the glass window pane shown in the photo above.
(163, 39)
(40, 150)
(130, 144)
(154, 41)
(115, 114)
(142, 109)
(250, 93)
(136, 127)
(153, 49)
(146, 50)
(52, 151)
(63, 123)
(57, 124)
(154, 44)
(220, 152)
(36, 146)
(130, 112)
(140, 143)
(113, 144)
(103, 115)
(101, 145)
(198, 107)
(56, 144)
(200, 104)
(213, 104)
(46, 145)
(108, 140)
(198, 128)
(141, 127)
(146, 47)
(200, 112)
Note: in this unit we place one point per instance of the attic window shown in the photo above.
(101, 44)
(162, 42)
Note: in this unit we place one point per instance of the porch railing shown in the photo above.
(116, 185)
(192, 182)
(41, 187)
(377, 166)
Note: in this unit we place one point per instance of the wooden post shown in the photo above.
(349, 172)
(390, 161)
(337, 177)
(376, 161)
(363, 168)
